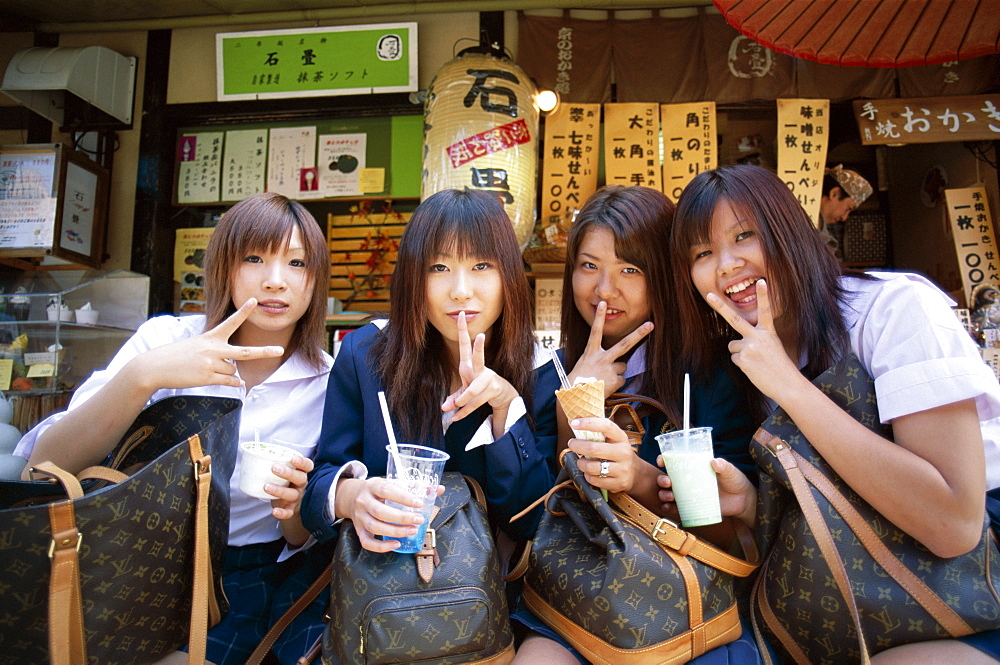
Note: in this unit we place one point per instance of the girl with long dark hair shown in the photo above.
(456, 362)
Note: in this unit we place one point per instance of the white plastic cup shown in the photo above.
(687, 458)
(420, 476)
(86, 316)
(255, 467)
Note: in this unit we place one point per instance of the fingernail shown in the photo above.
(602, 305)
(575, 423)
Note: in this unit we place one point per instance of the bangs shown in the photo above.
(271, 234)
(471, 237)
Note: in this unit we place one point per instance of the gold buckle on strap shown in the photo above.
(52, 544)
(660, 527)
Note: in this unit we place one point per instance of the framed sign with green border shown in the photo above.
(315, 62)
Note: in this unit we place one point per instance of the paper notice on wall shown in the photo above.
(632, 144)
(27, 223)
(199, 167)
(803, 127)
(548, 303)
(243, 164)
(689, 144)
(341, 157)
(975, 242)
(291, 155)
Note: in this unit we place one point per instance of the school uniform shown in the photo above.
(514, 470)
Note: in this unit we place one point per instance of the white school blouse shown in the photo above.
(287, 408)
(905, 333)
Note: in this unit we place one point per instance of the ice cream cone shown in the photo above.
(584, 400)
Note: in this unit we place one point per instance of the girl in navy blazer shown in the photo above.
(456, 362)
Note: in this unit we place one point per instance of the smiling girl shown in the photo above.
(261, 341)
(758, 288)
(619, 324)
(456, 364)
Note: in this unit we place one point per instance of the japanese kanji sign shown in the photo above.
(803, 126)
(689, 145)
(928, 119)
(199, 169)
(632, 144)
(975, 242)
(244, 158)
(313, 62)
(570, 160)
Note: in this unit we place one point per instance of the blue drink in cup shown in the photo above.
(420, 475)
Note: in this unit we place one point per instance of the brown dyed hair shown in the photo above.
(802, 273)
(263, 223)
(410, 353)
(639, 218)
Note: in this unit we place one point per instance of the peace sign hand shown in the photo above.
(760, 354)
(203, 360)
(480, 384)
(601, 363)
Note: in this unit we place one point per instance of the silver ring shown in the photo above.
(605, 467)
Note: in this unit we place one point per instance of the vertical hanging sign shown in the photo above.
(803, 127)
(569, 165)
(632, 144)
(689, 145)
(975, 242)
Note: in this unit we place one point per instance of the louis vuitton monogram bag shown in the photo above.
(102, 571)
(623, 586)
(839, 580)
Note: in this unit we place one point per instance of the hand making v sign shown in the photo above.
(761, 354)
(480, 384)
(601, 363)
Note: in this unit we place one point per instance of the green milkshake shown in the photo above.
(687, 458)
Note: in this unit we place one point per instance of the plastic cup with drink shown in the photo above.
(687, 458)
(417, 469)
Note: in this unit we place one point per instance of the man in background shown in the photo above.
(843, 191)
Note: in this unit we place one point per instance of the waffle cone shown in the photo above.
(584, 400)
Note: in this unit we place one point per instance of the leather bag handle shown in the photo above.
(68, 645)
(669, 535)
(203, 608)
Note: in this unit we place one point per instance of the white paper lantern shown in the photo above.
(481, 132)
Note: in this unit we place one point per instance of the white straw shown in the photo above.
(687, 410)
(560, 370)
(256, 435)
(687, 401)
(393, 450)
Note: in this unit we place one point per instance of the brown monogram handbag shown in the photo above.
(840, 581)
(105, 568)
(623, 585)
(443, 605)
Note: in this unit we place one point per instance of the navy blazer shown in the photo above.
(514, 470)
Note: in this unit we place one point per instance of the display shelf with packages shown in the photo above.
(57, 327)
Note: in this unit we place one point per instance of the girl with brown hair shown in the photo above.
(261, 341)
(456, 364)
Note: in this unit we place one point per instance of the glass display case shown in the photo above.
(58, 326)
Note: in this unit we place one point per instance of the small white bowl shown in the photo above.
(59, 314)
(86, 316)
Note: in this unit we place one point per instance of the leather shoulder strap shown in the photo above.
(668, 534)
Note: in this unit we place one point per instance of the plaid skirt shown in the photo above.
(259, 591)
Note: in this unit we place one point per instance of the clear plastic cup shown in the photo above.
(256, 463)
(687, 458)
(420, 476)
